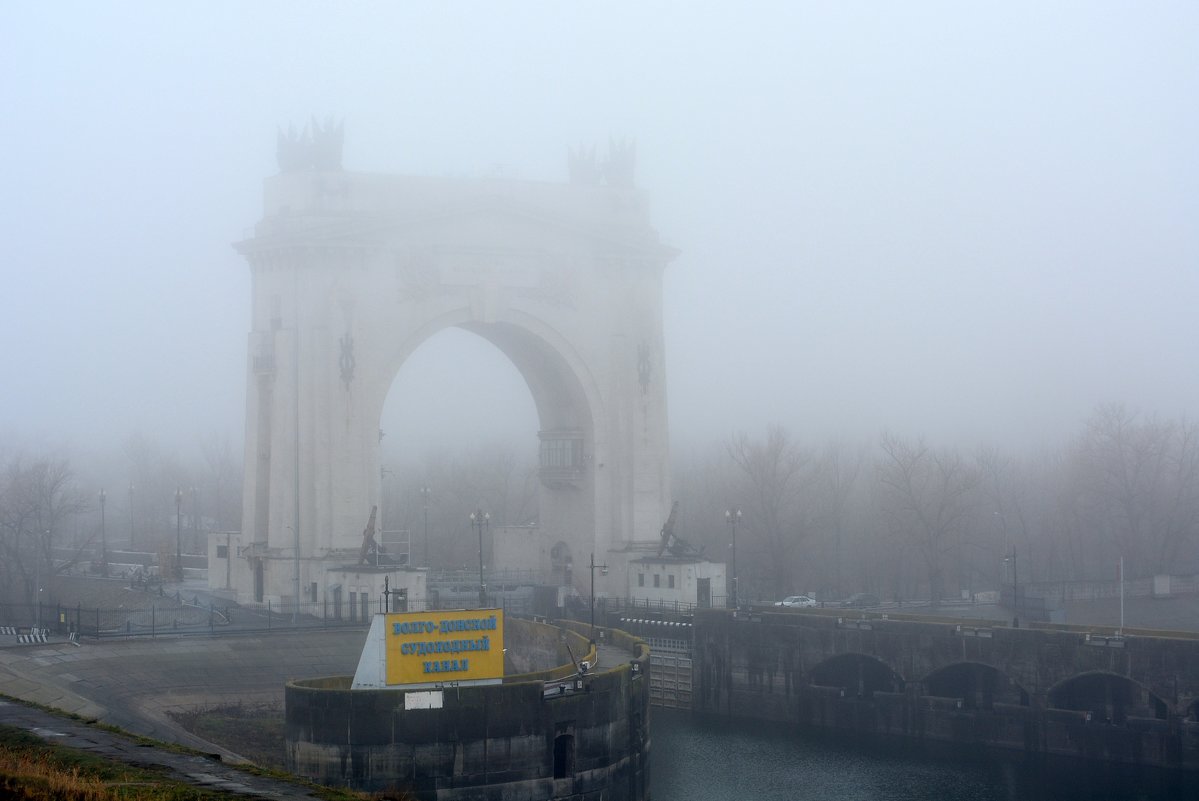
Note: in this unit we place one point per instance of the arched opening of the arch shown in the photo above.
(857, 675)
(511, 434)
(458, 434)
(975, 686)
(1107, 697)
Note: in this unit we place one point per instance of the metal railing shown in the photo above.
(184, 614)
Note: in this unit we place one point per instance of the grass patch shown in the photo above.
(33, 769)
(255, 731)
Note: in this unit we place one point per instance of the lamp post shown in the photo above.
(1015, 579)
(732, 516)
(603, 572)
(103, 537)
(425, 492)
(179, 533)
(480, 519)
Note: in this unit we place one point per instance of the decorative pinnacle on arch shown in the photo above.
(317, 148)
(619, 169)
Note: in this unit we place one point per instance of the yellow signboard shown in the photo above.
(452, 645)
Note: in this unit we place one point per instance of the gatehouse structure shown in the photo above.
(352, 272)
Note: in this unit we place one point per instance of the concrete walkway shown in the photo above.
(207, 772)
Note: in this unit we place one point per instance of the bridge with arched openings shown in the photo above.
(1121, 696)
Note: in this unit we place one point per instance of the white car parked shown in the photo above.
(797, 602)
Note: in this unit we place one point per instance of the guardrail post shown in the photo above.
(268, 614)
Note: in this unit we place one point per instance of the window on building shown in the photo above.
(561, 450)
(670, 581)
(657, 580)
(222, 552)
(313, 591)
(640, 579)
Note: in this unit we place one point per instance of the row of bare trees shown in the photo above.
(897, 516)
(905, 519)
(38, 499)
(53, 520)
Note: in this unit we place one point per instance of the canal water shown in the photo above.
(705, 761)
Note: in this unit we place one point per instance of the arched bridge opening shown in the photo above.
(857, 675)
(1108, 697)
(975, 685)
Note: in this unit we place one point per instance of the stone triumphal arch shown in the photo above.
(351, 272)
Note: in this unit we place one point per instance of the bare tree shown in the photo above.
(775, 470)
(155, 475)
(835, 481)
(707, 485)
(1135, 483)
(926, 497)
(37, 499)
(1006, 503)
(221, 487)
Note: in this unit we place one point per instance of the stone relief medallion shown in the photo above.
(645, 367)
(555, 287)
(418, 274)
(346, 361)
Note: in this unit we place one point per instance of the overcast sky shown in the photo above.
(969, 221)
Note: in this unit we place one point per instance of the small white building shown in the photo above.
(346, 589)
(683, 580)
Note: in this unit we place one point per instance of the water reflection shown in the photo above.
(705, 761)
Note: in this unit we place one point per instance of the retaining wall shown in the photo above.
(533, 737)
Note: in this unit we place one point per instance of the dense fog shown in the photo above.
(934, 299)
